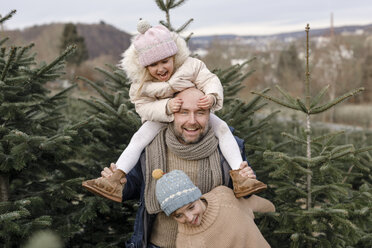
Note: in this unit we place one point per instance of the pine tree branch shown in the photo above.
(189, 37)
(294, 138)
(327, 136)
(91, 104)
(364, 149)
(21, 53)
(3, 41)
(276, 100)
(180, 29)
(106, 73)
(177, 4)
(69, 50)
(302, 105)
(4, 187)
(255, 99)
(62, 92)
(286, 95)
(161, 5)
(109, 108)
(318, 97)
(342, 151)
(9, 62)
(8, 16)
(106, 96)
(335, 101)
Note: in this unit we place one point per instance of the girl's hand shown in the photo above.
(174, 104)
(109, 171)
(246, 171)
(206, 102)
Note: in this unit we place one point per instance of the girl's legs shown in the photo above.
(227, 142)
(112, 187)
(243, 186)
(145, 134)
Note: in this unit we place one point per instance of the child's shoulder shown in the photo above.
(223, 190)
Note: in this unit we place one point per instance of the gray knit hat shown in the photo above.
(174, 190)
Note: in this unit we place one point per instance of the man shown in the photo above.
(187, 144)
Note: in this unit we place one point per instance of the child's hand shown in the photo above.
(109, 171)
(246, 171)
(206, 102)
(174, 104)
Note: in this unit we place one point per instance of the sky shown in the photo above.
(211, 17)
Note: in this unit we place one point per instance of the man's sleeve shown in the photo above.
(132, 188)
(240, 144)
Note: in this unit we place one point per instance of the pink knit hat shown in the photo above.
(153, 43)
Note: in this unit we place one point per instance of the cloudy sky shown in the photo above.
(244, 17)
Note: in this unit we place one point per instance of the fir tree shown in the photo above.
(38, 176)
(318, 201)
(70, 37)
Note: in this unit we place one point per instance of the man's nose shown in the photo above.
(192, 118)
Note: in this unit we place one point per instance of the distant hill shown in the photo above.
(105, 40)
(101, 39)
(205, 41)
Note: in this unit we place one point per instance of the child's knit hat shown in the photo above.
(174, 190)
(153, 43)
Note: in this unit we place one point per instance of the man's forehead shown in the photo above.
(190, 99)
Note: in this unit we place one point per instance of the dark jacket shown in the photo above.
(135, 187)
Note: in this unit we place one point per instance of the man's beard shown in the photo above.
(183, 140)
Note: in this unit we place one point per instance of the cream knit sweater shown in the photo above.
(227, 222)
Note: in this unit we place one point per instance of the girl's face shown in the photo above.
(190, 214)
(163, 69)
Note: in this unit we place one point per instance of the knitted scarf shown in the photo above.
(205, 151)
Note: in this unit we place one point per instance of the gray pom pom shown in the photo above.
(143, 26)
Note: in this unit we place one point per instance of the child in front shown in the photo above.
(215, 219)
(158, 63)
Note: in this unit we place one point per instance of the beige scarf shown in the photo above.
(205, 151)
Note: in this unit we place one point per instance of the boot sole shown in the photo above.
(98, 191)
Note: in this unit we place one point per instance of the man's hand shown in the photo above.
(206, 102)
(107, 172)
(246, 171)
(174, 104)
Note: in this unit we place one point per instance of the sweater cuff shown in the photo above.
(214, 100)
(168, 111)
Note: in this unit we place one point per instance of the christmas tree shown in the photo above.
(322, 189)
(69, 37)
(39, 178)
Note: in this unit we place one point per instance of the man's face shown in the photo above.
(190, 214)
(191, 122)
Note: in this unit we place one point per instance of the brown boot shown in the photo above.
(110, 187)
(245, 186)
